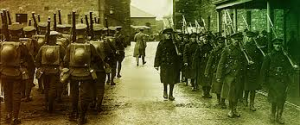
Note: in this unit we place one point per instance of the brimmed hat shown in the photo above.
(29, 28)
(277, 41)
(81, 26)
(237, 36)
(168, 30)
(15, 27)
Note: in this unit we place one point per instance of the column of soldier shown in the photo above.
(79, 54)
(235, 67)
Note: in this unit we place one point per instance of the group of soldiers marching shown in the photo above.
(233, 67)
(81, 55)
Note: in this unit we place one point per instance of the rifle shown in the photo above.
(87, 24)
(240, 45)
(81, 20)
(95, 18)
(253, 38)
(35, 23)
(59, 17)
(39, 18)
(9, 18)
(92, 27)
(204, 24)
(54, 21)
(284, 51)
(5, 26)
(106, 23)
(73, 27)
(29, 22)
(48, 31)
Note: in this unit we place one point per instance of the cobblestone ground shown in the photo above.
(137, 100)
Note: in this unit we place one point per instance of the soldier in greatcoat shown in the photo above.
(211, 70)
(275, 75)
(229, 70)
(188, 57)
(167, 59)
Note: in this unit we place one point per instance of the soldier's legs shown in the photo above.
(273, 112)
(113, 75)
(143, 59)
(108, 78)
(100, 89)
(137, 61)
(171, 97)
(16, 99)
(74, 85)
(206, 90)
(41, 86)
(29, 86)
(53, 83)
(85, 99)
(252, 98)
(119, 64)
(23, 90)
(46, 82)
(280, 107)
(8, 98)
(165, 91)
(59, 91)
(246, 96)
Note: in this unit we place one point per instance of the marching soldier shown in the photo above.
(251, 83)
(13, 72)
(204, 51)
(275, 73)
(80, 57)
(103, 50)
(229, 70)
(50, 61)
(167, 60)
(31, 45)
(140, 46)
(120, 46)
(188, 57)
(263, 41)
(112, 60)
(211, 69)
(185, 41)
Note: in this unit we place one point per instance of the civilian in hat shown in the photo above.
(140, 46)
(167, 60)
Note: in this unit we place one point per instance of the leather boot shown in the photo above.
(279, 117)
(82, 119)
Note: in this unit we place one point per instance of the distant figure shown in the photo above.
(140, 46)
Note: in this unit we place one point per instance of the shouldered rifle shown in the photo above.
(35, 22)
(48, 31)
(5, 26)
(249, 60)
(106, 23)
(59, 17)
(283, 50)
(8, 17)
(254, 39)
(73, 27)
(54, 21)
(91, 27)
(87, 24)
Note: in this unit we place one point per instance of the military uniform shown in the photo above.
(31, 45)
(103, 50)
(167, 59)
(13, 72)
(188, 59)
(229, 70)
(275, 74)
(120, 46)
(112, 60)
(251, 78)
(211, 69)
(80, 57)
(202, 55)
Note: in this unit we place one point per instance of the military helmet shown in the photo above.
(98, 27)
(15, 27)
(8, 53)
(194, 35)
(80, 56)
(42, 24)
(29, 28)
(50, 55)
(167, 31)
